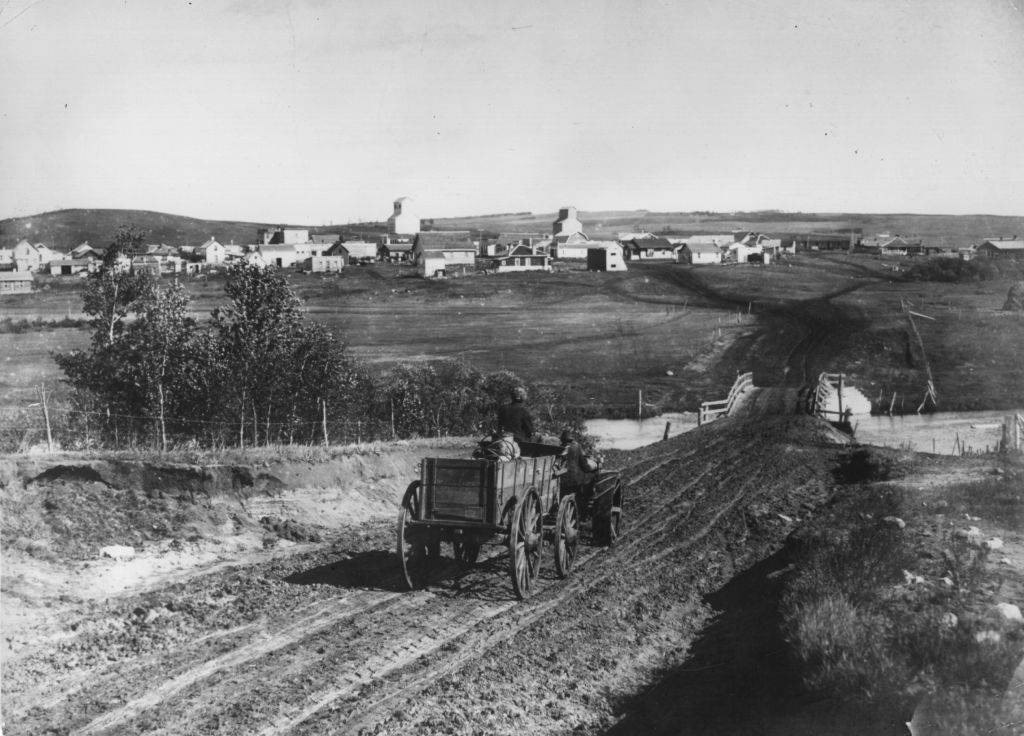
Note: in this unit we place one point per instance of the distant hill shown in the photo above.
(64, 229)
(944, 230)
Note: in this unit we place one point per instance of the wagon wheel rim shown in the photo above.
(566, 535)
(412, 551)
(525, 537)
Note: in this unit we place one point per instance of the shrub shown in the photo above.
(952, 270)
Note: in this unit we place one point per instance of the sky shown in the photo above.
(324, 111)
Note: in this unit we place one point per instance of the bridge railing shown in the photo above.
(818, 398)
(711, 410)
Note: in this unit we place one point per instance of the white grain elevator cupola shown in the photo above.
(403, 221)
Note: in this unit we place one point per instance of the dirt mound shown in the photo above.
(1015, 298)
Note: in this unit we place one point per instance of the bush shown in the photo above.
(952, 270)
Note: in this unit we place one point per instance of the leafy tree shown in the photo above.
(256, 335)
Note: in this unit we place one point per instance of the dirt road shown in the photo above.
(323, 640)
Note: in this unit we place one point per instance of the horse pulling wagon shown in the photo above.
(518, 503)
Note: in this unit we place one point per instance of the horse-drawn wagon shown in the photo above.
(518, 503)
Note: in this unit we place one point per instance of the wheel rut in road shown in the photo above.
(348, 659)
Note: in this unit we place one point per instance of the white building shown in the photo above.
(698, 253)
(574, 246)
(211, 253)
(404, 220)
(281, 256)
(32, 258)
(606, 257)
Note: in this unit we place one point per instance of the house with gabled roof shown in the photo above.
(700, 253)
(440, 252)
(29, 257)
(650, 249)
(84, 250)
(394, 251)
(524, 258)
(355, 251)
(1012, 247)
(211, 252)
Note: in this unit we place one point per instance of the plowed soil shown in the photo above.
(322, 638)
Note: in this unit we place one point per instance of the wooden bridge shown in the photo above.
(747, 400)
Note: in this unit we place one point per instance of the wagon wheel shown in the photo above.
(412, 548)
(466, 552)
(608, 525)
(567, 529)
(525, 540)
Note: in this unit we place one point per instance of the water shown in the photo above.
(628, 434)
(937, 432)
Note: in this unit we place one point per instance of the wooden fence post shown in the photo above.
(324, 423)
(46, 418)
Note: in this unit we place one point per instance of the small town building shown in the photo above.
(573, 246)
(6, 259)
(278, 256)
(605, 257)
(524, 258)
(355, 251)
(29, 257)
(650, 249)
(700, 253)
(71, 266)
(282, 236)
(1001, 248)
(146, 264)
(505, 242)
(395, 252)
(821, 241)
(327, 239)
(404, 220)
(568, 223)
(16, 282)
(211, 253)
(326, 264)
(84, 250)
(440, 253)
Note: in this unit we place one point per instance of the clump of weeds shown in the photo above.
(872, 618)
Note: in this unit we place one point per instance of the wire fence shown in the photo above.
(59, 426)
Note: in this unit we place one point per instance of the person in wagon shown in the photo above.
(515, 418)
(580, 469)
(502, 447)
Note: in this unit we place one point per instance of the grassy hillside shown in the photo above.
(64, 229)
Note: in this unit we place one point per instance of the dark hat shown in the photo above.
(566, 436)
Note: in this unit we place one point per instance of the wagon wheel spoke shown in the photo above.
(525, 536)
(566, 535)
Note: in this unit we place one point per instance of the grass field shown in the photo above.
(678, 333)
